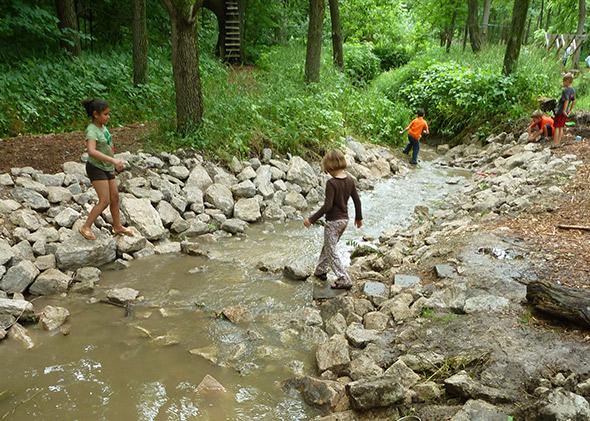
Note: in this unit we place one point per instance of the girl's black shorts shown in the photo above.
(95, 173)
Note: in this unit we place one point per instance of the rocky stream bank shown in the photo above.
(435, 325)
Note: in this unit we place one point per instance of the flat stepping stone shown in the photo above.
(406, 281)
(444, 270)
(325, 291)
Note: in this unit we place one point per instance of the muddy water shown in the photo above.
(117, 367)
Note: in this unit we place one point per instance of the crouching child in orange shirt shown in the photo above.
(541, 127)
(415, 129)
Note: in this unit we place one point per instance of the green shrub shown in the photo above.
(361, 64)
(391, 56)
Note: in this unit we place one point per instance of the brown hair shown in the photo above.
(94, 104)
(568, 76)
(537, 114)
(334, 160)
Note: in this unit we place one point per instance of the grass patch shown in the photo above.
(431, 314)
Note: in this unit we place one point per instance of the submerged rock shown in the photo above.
(122, 295)
(236, 314)
(53, 317)
(19, 333)
(210, 384)
(16, 308)
(297, 271)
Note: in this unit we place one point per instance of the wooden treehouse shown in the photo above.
(230, 20)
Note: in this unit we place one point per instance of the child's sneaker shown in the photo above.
(413, 163)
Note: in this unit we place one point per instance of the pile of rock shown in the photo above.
(172, 201)
(368, 361)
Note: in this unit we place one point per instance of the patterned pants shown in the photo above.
(329, 258)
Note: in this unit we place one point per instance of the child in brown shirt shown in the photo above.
(335, 208)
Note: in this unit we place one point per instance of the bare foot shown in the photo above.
(87, 233)
(123, 231)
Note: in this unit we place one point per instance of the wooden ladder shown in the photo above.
(232, 31)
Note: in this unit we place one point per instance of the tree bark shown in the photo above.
(540, 23)
(465, 33)
(563, 302)
(314, 41)
(473, 24)
(579, 32)
(519, 12)
(487, 7)
(185, 64)
(68, 23)
(140, 43)
(451, 30)
(337, 51)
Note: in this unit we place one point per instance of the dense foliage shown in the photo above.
(395, 61)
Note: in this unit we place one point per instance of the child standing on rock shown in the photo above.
(415, 129)
(339, 189)
(564, 107)
(100, 168)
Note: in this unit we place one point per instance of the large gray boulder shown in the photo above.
(6, 252)
(67, 217)
(333, 354)
(199, 177)
(479, 410)
(76, 251)
(562, 405)
(141, 214)
(245, 189)
(16, 308)
(375, 392)
(221, 197)
(52, 281)
(31, 198)
(19, 277)
(167, 213)
(247, 210)
(301, 173)
(263, 181)
(26, 218)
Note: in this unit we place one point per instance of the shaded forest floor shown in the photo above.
(48, 152)
(567, 252)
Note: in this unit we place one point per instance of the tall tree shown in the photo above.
(519, 12)
(473, 24)
(68, 24)
(140, 43)
(451, 28)
(487, 8)
(185, 62)
(314, 41)
(337, 51)
(580, 31)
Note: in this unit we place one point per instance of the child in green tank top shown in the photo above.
(101, 168)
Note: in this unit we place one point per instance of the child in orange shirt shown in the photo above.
(415, 129)
(541, 127)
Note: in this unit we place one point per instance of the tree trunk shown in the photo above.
(68, 24)
(487, 7)
(579, 32)
(451, 31)
(314, 41)
(140, 43)
(528, 31)
(185, 65)
(566, 303)
(473, 23)
(465, 33)
(519, 12)
(540, 23)
(548, 22)
(337, 51)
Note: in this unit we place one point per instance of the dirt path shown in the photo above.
(48, 152)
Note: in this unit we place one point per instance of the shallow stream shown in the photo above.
(108, 368)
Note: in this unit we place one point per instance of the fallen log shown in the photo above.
(567, 303)
(573, 227)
